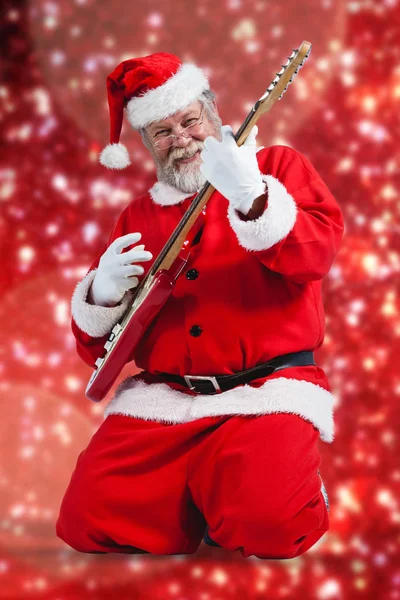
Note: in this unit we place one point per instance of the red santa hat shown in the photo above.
(148, 89)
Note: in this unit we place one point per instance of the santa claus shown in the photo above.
(216, 438)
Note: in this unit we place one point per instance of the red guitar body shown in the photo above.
(126, 335)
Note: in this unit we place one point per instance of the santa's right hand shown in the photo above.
(117, 270)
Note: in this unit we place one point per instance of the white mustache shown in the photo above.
(188, 152)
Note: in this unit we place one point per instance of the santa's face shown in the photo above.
(178, 159)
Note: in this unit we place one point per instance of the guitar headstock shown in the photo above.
(285, 76)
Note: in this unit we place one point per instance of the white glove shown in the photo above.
(233, 171)
(113, 276)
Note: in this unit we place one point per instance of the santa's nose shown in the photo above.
(181, 141)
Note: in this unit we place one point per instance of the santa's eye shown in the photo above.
(161, 132)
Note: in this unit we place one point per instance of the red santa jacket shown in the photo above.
(251, 291)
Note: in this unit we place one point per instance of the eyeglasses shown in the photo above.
(163, 141)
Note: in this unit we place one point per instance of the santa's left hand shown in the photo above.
(233, 171)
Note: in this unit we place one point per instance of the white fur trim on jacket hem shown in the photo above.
(164, 194)
(273, 225)
(92, 319)
(176, 93)
(159, 402)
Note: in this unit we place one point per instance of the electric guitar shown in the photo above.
(156, 287)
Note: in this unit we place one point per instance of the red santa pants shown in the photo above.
(144, 486)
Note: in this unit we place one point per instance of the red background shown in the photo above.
(58, 205)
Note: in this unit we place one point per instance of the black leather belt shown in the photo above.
(220, 383)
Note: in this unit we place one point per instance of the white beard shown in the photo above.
(186, 178)
(190, 180)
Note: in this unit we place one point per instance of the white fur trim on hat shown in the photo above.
(177, 92)
(159, 402)
(115, 156)
(276, 222)
(95, 320)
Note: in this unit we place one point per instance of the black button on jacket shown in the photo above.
(192, 274)
(195, 331)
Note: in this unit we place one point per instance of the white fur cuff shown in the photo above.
(95, 320)
(273, 225)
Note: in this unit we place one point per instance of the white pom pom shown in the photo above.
(115, 156)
